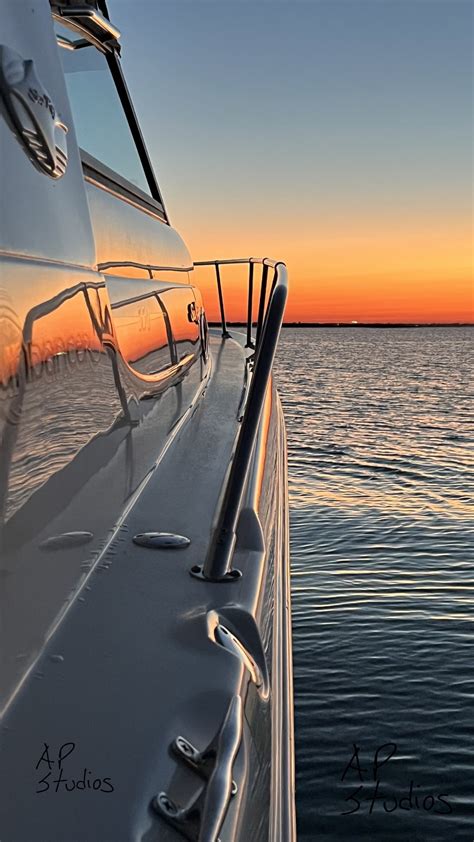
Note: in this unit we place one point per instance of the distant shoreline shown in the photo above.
(358, 324)
(378, 324)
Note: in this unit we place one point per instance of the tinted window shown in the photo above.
(100, 122)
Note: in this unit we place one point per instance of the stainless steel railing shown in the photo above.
(217, 566)
(266, 264)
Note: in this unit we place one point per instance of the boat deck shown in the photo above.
(133, 648)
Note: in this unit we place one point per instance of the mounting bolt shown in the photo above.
(232, 575)
(184, 746)
(162, 803)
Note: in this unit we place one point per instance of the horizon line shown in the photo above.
(354, 324)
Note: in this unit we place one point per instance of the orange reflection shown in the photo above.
(60, 326)
(141, 333)
(157, 330)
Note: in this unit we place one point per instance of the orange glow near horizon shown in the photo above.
(365, 271)
(350, 160)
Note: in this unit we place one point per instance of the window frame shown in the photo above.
(97, 171)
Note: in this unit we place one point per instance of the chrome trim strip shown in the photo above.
(103, 176)
(150, 267)
(93, 15)
(118, 195)
(47, 261)
(282, 809)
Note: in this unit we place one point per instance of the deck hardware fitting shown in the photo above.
(66, 541)
(166, 803)
(200, 762)
(230, 576)
(161, 540)
(203, 816)
(186, 820)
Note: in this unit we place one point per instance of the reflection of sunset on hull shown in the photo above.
(54, 493)
(72, 370)
(63, 373)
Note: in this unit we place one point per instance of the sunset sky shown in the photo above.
(332, 134)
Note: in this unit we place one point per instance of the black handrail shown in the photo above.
(261, 306)
(217, 566)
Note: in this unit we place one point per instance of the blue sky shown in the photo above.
(319, 112)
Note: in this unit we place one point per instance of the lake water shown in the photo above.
(381, 466)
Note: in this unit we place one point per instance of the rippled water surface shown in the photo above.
(381, 477)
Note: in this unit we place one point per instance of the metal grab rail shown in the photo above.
(266, 264)
(217, 566)
(203, 817)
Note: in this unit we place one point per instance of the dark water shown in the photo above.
(381, 463)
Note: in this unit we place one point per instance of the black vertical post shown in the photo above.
(225, 332)
(249, 308)
(261, 306)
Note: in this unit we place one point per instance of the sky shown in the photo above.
(334, 135)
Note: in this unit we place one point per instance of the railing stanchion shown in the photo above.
(249, 308)
(261, 306)
(217, 566)
(225, 332)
